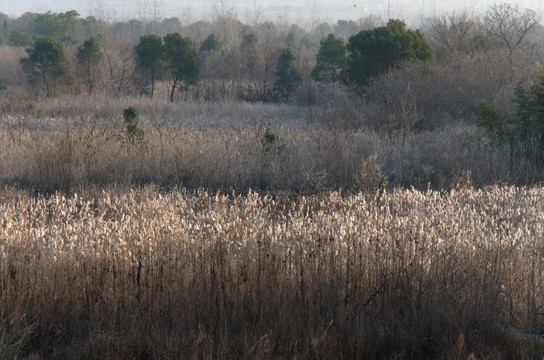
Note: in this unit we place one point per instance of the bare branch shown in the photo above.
(509, 24)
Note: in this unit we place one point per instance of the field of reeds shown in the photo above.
(262, 231)
(124, 273)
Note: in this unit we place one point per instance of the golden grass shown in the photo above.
(124, 273)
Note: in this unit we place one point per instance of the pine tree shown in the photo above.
(88, 57)
(331, 60)
(372, 52)
(149, 56)
(46, 64)
(182, 61)
(288, 79)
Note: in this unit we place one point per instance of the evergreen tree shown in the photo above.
(529, 110)
(248, 49)
(46, 63)
(88, 57)
(59, 26)
(526, 122)
(288, 79)
(4, 23)
(149, 56)
(183, 62)
(20, 38)
(372, 52)
(211, 44)
(331, 60)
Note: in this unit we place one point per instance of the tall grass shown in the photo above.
(123, 273)
(67, 142)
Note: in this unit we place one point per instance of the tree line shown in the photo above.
(176, 60)
(226, 59)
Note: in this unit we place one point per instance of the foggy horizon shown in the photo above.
(301, 11)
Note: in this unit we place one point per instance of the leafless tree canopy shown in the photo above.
(509, 24)
(453, 31)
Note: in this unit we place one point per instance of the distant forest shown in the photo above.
(238, 53)
(441, 72)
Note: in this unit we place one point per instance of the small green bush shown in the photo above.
(492, 121)
(269, 138)
(523, 130)
(133, 134)
(272, 144)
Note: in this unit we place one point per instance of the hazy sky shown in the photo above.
(246, 10)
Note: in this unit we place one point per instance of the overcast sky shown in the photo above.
(285, 10)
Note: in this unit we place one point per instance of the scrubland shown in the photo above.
(64, 143)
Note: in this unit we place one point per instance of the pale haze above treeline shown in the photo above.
(297, 11)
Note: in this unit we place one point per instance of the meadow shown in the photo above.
(266, 190)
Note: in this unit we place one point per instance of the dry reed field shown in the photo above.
(226, 188)
(62, 143)
(124, 273)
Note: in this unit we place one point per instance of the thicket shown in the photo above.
(524, 125)
(65, 143)
(526, 120)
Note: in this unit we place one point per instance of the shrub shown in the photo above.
(492, 120)
(527, 120)
(133, 134)
(269, 139)
(523, 130)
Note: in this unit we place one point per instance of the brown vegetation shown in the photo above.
(65, 143)
(137, 273)
(369, 223)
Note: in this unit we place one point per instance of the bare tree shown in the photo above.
(268, 56)
(156, 11)
(370, 21)
(315, 14)
(509, 24)
(452, 31)
(118, 68)
(101, 13)
(253, 13)
(142, 9)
